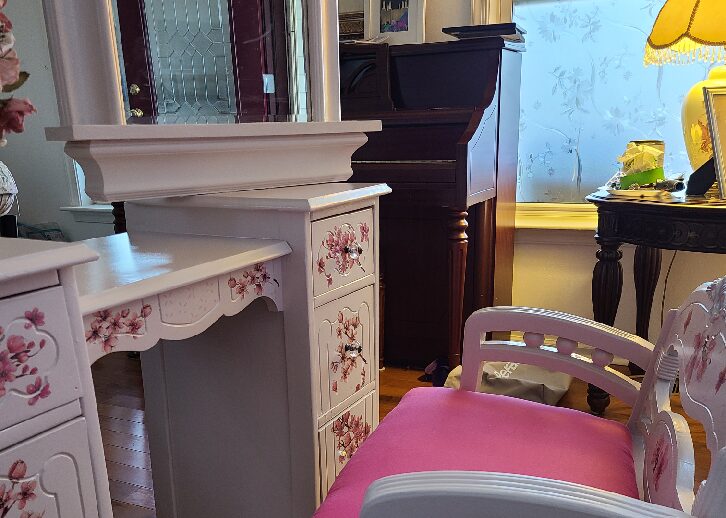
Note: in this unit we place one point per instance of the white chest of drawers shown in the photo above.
(320, 373)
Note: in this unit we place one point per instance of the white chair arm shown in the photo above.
(570, 330)
(470, 494)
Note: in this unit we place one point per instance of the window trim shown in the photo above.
(556, 216)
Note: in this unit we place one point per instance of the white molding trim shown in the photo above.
(97, 213)
(556, 216)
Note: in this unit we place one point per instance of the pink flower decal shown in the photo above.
(703, 347)
(17, 470)
(16, 354)
(107, 326)
(659, 460)
(35, 318)
(350, 431)
(721, 379)
(364, 231)
(349, 350)
(256, 278)
(20, 493)
(341, 246)
(40, 390)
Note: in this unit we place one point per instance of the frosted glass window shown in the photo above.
(585, 94)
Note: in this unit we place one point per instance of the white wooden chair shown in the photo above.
(455, 453)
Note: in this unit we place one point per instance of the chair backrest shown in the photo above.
(694, 337)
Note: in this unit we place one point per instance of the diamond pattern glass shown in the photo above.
(191, 55)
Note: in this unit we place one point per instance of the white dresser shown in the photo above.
(328, 355)
(253, 414)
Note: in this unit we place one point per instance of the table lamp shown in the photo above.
(686, 31)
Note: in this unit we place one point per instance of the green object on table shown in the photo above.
(642, 178)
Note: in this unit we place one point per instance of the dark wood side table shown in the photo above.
(693, 224)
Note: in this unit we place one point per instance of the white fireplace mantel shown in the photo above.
(147, 161)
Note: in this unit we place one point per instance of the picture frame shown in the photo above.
(715, 98)
(396, 22)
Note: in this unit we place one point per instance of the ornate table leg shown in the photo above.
(646, 270)
(458, 245)
(607, 286)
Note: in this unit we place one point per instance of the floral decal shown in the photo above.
(350, 431)
(16, 354)
(256, 279)
(349, 351)
(342, 246)
(659, 460)
(107, 326)
(703, 347)
(19, 494)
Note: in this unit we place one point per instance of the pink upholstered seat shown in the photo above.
(444, 429)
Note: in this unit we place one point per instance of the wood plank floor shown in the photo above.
(120, 395)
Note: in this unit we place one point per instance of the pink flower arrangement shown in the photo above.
(16, 356)
(20, 493)
(13, 110)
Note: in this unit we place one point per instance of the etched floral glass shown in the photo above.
(586, 93)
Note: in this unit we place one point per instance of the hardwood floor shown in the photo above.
(120, 395)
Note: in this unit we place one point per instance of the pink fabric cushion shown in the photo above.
(444, 429)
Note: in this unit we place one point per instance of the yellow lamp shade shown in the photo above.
(686, 31)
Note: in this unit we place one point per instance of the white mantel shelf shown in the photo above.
(131, 162)
(147, 263)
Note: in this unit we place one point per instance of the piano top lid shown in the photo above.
(507, 31)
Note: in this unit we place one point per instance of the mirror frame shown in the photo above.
(86, 70)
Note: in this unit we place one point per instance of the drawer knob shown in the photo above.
(353, 251)
(353, 349)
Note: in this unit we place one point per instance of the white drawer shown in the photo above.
(341, 438)
(38, 369)
(346, 341)
(342, 250)
(53, 472)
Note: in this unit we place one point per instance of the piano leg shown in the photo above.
(458, 245)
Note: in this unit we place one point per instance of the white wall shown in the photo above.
(553, 269)
(445, 13)
(39, 167)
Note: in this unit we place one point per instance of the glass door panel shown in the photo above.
(211, 61)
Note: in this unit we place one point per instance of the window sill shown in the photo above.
(100, 213)
(556, 216)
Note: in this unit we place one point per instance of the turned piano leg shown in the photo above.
(458, 245)
(607, 286)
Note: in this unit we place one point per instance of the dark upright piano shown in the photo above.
(448, 149)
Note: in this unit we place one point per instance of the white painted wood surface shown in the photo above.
(35, 339)
(342, 250)
(53, 470)
(27, 257)
(466, 494)
(116, 160)
(145, 263)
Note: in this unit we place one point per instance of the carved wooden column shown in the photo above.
(607, 287)
(646, 270)
(458, 246)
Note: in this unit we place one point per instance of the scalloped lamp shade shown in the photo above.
(686, 31)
